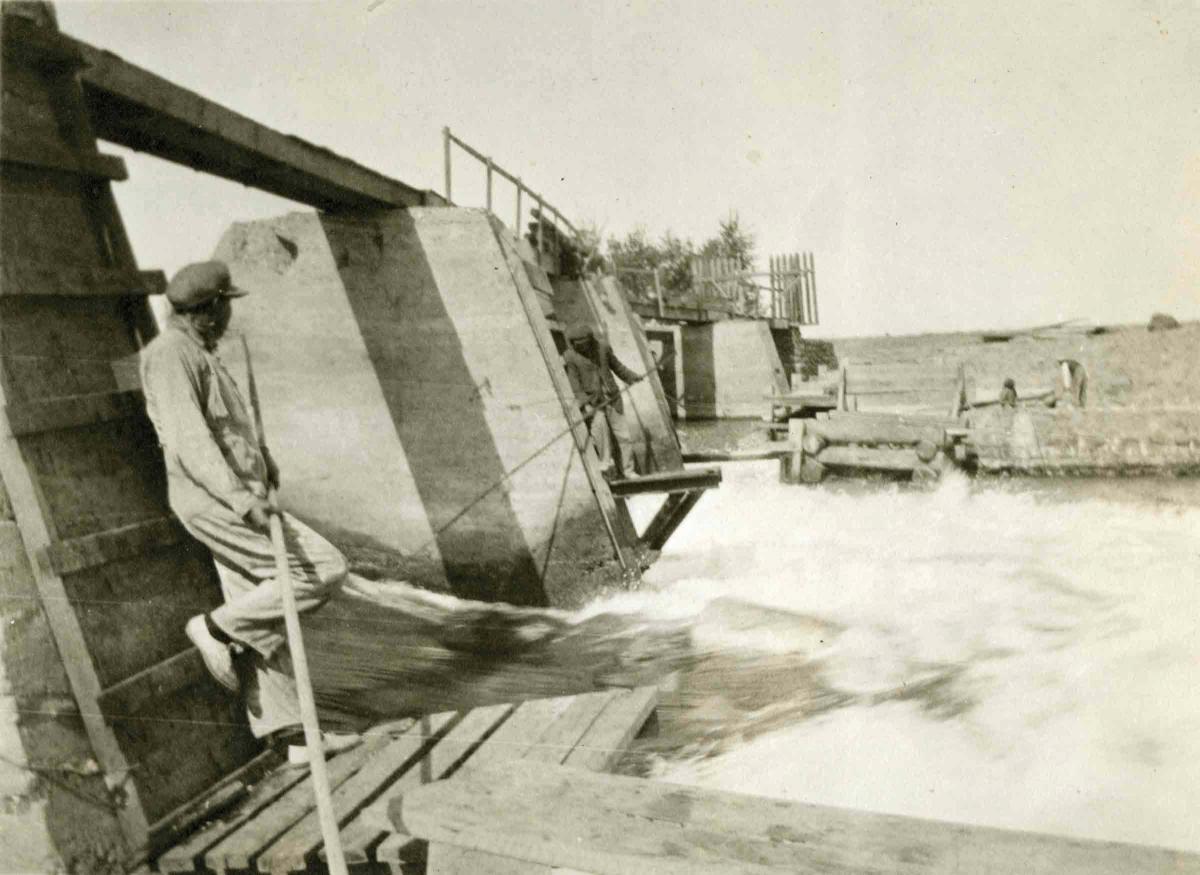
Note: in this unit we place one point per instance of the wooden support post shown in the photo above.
(541, 220)
(677, 506)
(658, 292)
(791, 464)
(446, 161)
(841, 397)
(812, 278)
(489, 185)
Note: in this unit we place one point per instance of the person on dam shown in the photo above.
(592, 369)
(1008, 394)
(218, 475)
(1071, 385)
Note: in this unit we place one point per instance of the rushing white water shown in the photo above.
(1013, 658)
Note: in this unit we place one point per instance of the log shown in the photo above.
(868, 429)
(813, 442)
(870, 458)
(926, 450)
(617, 825)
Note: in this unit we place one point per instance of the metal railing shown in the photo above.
(544, 211)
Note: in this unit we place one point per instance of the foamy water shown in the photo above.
(975, 655)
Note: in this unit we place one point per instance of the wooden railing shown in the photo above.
(540, 210)
(787, 290)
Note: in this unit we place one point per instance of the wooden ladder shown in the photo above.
(115, 574)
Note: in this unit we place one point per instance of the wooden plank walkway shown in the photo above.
(274, 829)
(547, 815)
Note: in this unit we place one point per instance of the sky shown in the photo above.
(951, 166)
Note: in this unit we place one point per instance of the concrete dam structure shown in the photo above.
(414, 394)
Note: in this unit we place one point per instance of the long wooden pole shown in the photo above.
(335, 858)
(446, 161)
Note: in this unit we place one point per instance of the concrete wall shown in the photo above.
(416, 413)
(728, 368)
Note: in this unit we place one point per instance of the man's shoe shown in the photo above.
(331, 742)
(216, 656)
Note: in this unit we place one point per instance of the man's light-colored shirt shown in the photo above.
(204, 427)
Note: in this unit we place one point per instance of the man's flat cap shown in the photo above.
(579, 331)
(197, 284)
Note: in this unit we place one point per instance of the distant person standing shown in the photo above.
(1071, 386)
(1008, 395)
(590, 365)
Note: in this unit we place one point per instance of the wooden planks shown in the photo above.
(240, 848)
(445, 756)
(615, 825)
(274, 828)
(598, 749)
(24, 496)
(135, 108)
(294, 848)
(88, 551)
(34, 417)
(21, 277)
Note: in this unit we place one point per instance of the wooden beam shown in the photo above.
(23, 277)
(34, 417)
(130, 696)
(618, 825)
(135, 108)
(17, 150)
(668, 481)
(673, 512)
(736, 455)
(76, 554)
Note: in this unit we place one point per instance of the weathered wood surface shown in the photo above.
(21, 277)
(851, 429)
(710, 456)
(135, 108)
(32, 417)
(615, 825)
(870, 458)
(686, 480)
(274, 827)
(17, 149)
(598, 749)
(89, 551)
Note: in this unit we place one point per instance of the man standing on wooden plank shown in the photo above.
(590, 365)
(218, 473)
